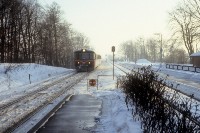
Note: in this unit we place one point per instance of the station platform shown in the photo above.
(78, 115)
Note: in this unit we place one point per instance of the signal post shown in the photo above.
(113, 50)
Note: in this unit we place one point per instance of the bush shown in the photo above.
(159, 110)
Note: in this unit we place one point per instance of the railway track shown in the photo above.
(16, 111)
(170, 81)
(41, 87)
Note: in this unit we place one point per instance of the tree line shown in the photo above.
(30, 33)
(150, 49)
(185, 35)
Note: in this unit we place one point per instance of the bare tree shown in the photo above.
(31, 33)
(127, 50)
(184, 27)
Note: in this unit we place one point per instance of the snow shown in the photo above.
(196, 54)
(143, 62)
(115, 116)
(18, 75)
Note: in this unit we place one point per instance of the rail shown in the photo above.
(35, 95)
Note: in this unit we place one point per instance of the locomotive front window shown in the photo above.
(85, 56)
(76, 56)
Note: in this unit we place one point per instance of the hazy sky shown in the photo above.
(110, 22)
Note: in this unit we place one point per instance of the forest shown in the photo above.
(30, 33)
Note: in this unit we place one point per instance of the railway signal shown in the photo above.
(113, 48)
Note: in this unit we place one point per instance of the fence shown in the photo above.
(183, 67)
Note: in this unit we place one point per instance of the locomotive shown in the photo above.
(86, 60)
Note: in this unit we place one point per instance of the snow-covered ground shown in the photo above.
(20, 75)
(115, 116)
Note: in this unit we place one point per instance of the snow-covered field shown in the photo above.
(115, 116)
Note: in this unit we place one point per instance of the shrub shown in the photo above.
(159, 110)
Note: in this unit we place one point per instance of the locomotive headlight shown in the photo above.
(88, 62)
(78, 62)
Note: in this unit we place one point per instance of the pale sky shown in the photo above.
(108, 23)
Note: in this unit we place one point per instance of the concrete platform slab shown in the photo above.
(79, 115)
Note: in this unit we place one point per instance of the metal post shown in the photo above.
(29, 78)
(161, 48)
(113, 50)
(97, 82)
(87, 84)
(113, 65)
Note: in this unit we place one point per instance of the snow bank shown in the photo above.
(18, 74)
(115, 118)
(143, 62)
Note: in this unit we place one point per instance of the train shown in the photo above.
(86, 60)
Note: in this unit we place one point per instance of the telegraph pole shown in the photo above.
(161, 49)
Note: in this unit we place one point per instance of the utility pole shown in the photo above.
(161, 49)
(142, 48)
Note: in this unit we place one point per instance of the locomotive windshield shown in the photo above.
(85, 56)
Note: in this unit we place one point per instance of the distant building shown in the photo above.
(195, 59)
